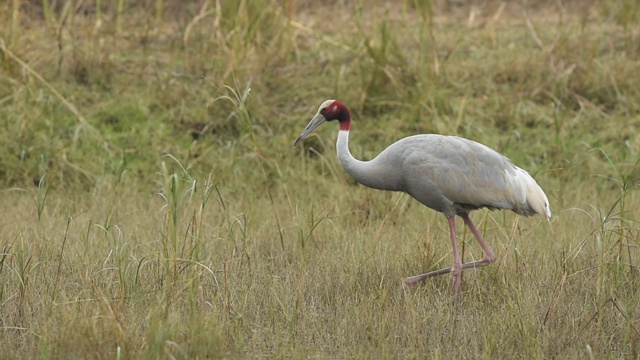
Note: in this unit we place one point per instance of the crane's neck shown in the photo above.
(345, 125)
(374, 173)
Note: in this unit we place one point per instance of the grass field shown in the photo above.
(153, 205)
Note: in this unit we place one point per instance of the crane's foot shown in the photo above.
(410, 282)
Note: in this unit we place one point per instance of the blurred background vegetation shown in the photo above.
(92, 89)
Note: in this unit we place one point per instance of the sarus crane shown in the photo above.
(448, 174)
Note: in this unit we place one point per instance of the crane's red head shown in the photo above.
(335, 110)
(328, 111)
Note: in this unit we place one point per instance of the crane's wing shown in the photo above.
(450, 173)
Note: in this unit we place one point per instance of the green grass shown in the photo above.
(153, 205)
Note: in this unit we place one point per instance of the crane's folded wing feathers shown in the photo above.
(465, 175)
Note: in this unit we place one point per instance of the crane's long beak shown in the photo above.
(317, 120)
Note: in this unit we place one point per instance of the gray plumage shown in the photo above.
(449, 174)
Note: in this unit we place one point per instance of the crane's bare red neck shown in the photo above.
(338, 111)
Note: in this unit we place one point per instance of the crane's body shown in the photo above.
(448, 174)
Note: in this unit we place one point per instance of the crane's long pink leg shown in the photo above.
(489, 255)
(488, 258)
(456, 269)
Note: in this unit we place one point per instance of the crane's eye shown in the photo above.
(330, 112)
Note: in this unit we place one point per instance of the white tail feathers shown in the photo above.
(532, 198)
